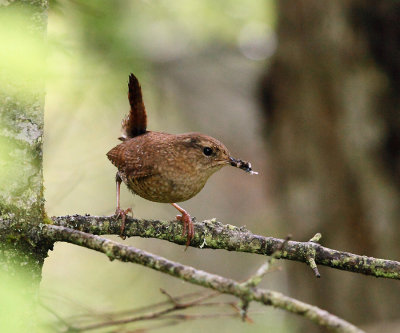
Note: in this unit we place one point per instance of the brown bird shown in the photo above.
(164, 167)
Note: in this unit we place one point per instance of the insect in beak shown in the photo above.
(246, 166)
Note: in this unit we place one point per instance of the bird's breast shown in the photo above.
(166, 187)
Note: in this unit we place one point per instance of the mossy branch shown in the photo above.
(215, 235)
(243, 291)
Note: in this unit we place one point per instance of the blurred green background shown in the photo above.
(316, 113)
(198, 63)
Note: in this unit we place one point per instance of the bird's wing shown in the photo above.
(129, 162)
(135, 122)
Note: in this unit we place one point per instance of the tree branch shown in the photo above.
(125, 253)
(215, 235)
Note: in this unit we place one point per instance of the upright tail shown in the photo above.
(135, 123)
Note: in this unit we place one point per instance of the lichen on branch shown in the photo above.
(215, 235)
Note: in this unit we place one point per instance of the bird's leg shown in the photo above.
(121, 212)
(188, 227)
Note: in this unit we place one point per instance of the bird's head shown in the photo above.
(208, 154)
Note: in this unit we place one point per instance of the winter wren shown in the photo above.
(164, 167)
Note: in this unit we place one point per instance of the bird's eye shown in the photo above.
(207, 151)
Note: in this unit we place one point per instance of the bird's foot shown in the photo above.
(122, 213)
(188, 227)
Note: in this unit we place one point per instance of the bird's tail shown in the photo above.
(135, 123)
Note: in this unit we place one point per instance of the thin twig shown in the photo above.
(310, 254)
(131, 312)
(55, 314)
(256, 278)
(176, 306)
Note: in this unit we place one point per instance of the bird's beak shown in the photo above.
(246, 166)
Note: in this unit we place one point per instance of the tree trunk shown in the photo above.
(21, 129)
(332, 107)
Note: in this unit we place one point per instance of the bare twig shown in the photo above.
(56, 315)
(175, 305)
(110, 315)
(125, 253)
(93, 315)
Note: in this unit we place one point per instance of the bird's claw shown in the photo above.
(188, 227)
(122, 213)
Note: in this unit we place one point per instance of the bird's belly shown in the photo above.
(166, 190)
